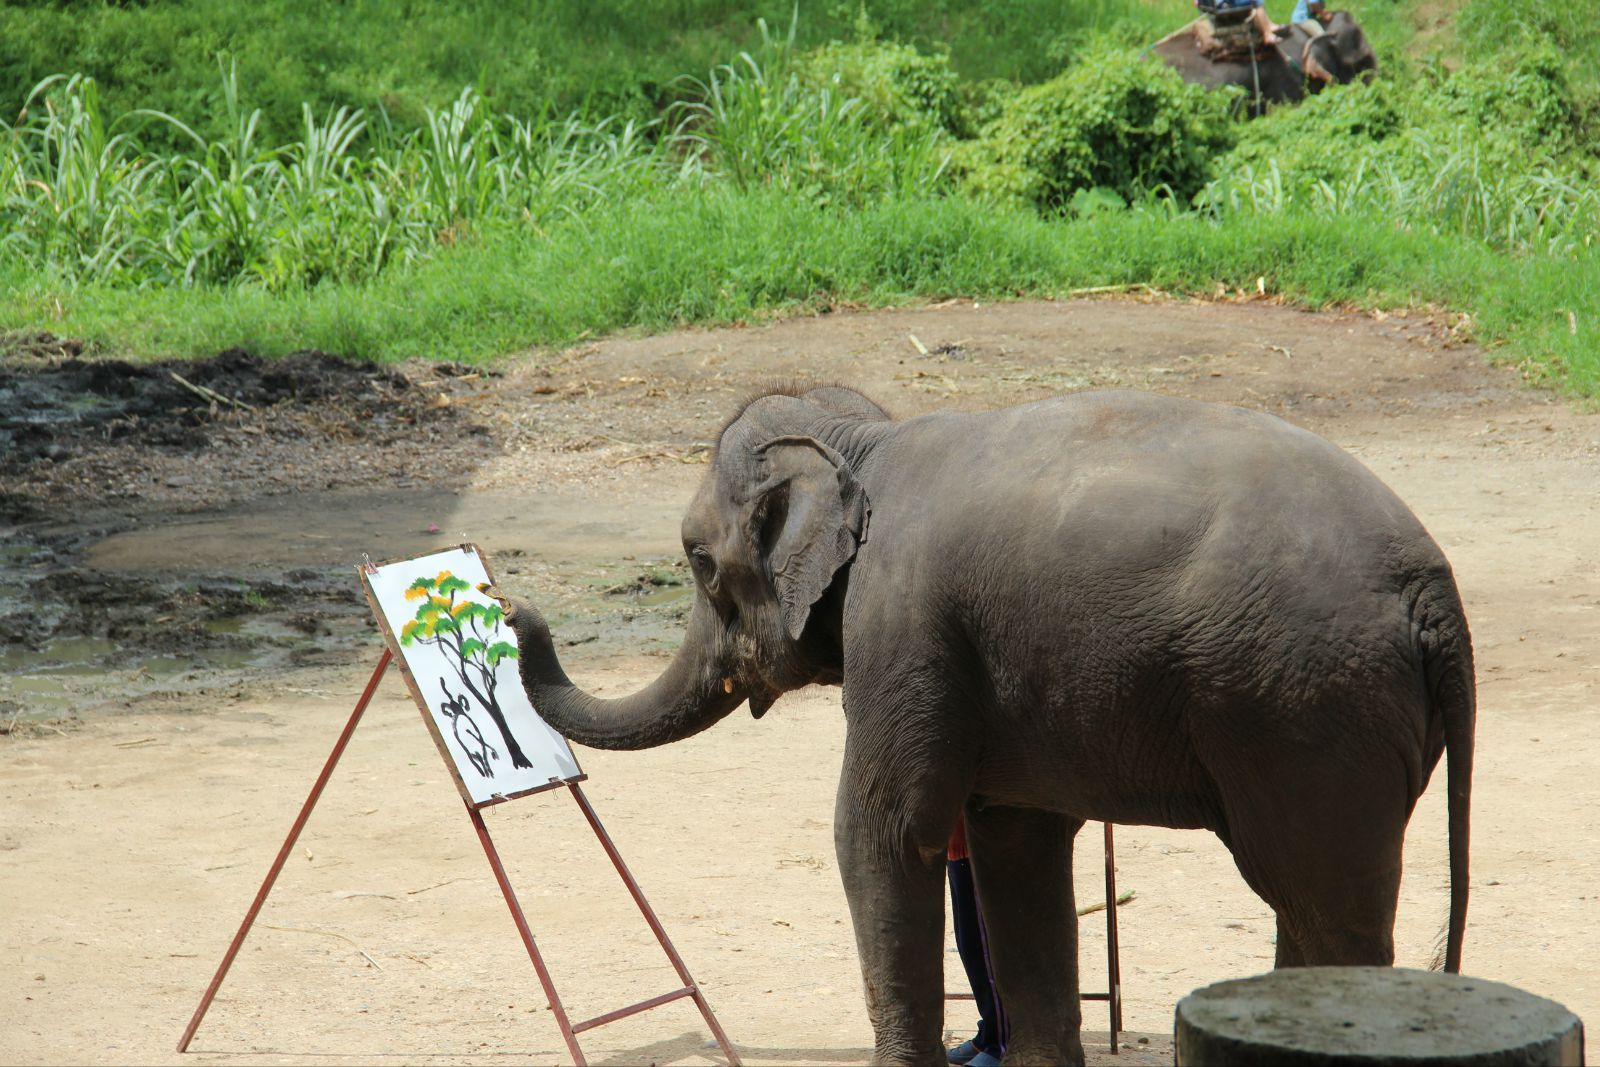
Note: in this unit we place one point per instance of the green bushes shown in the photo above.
(896, 84)
(1487, 152)
(599, 58)
(1520, 97)
(1111, 122)
(766, 121)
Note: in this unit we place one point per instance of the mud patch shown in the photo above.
(77, 638)
(95, 448)
(53, 403)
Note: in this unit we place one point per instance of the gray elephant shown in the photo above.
(1282, 72)
(1109, 606)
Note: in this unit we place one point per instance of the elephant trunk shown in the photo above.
(689, 696)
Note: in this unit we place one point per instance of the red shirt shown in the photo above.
(957, 849)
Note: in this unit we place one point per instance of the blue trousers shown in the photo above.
(970, 945)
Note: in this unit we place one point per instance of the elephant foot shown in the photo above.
(1069, 1053)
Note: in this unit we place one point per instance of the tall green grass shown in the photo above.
(757, 123)
(1539, 211)
(723, 255)
(595, 57)
(82, 199)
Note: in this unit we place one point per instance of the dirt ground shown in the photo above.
(183, 642)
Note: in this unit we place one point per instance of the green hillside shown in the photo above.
(391, 179)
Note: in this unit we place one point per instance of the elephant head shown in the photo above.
(1339, 55)
(769, 537)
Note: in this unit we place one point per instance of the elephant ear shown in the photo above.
(810, 517)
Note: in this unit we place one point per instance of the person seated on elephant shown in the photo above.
(1309, 15)
(986, 1047)
(1260, 25)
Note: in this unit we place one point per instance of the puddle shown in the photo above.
(79, 639)
(75, 639)
(665, 595)
(633, 605)
(60, 653)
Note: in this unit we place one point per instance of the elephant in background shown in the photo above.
(1108, 606)
(1282, 72)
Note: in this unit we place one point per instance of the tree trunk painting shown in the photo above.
(468, 633)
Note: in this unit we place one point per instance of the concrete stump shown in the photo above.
(1371, 1016)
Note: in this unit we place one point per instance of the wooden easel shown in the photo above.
(569, 1029)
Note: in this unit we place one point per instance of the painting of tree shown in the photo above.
(468, 633)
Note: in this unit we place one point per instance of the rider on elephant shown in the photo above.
(1262, 28)
(1309, 15)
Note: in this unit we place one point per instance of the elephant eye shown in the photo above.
(700, 561)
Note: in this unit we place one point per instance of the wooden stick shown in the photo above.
(207, 394)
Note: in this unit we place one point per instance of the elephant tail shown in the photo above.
(1448, 655)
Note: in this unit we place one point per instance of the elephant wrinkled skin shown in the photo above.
(1109, 606)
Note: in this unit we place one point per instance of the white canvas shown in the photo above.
(462, 658)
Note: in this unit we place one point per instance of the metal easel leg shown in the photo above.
(521, 920)
(283, 853)
(649, 914)
(1113, 955)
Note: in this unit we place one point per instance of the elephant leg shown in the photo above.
(1289, 953)
(890, 835)
(1352, 925)
(1022, 864)
(1331, 871)
(1349, 924)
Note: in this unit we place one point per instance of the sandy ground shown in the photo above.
(132, 839)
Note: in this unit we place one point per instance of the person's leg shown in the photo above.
(1264, 23)
(968, 926)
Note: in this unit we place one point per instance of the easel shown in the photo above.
(569, 1029)
(1113, 994)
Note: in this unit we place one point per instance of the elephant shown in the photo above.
(1339, 55)
(1282, 72)
(1111, 606)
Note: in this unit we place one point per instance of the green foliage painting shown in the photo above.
(467, 632)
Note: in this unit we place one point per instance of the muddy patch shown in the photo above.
(54, 405)
(76, 639)
(91, 449)
(83, 431)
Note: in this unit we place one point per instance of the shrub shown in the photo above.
(1324, 137)
(758, 124)
(1112, 121)
(1522, 98)
(896, 84)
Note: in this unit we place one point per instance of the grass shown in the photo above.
(597, 57)
(86, 199)
(723, 255)
(793, 177)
